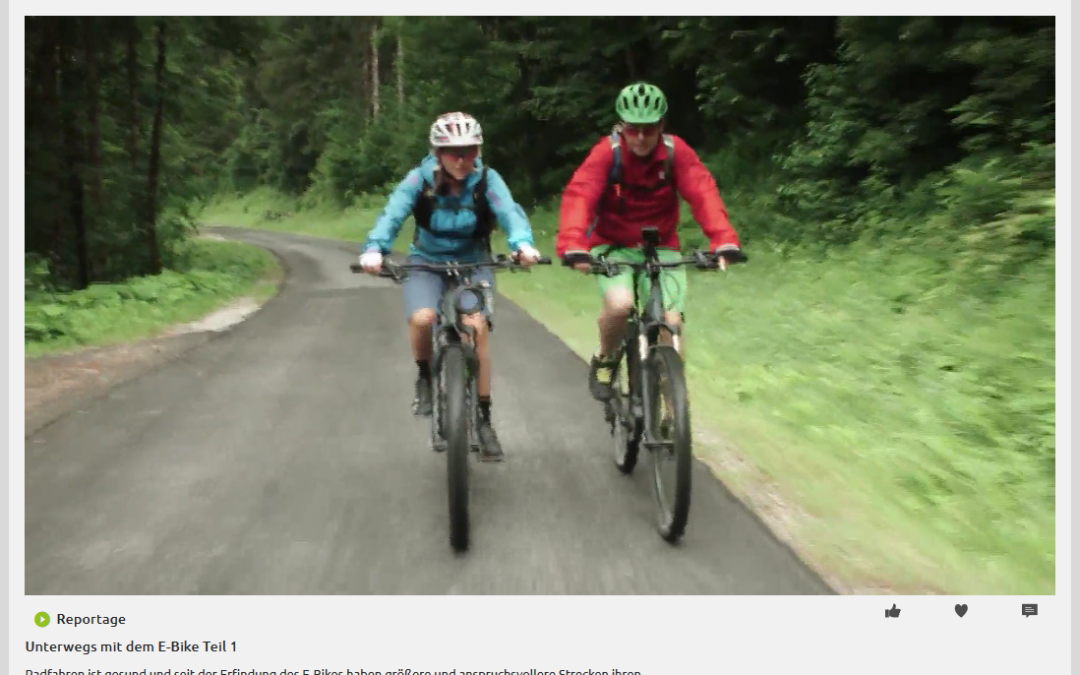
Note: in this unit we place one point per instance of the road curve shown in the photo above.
(282, 458)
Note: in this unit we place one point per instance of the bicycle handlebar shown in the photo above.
(501, 261)
(700, 259)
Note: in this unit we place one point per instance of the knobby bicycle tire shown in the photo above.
(626, 441)
(438, 406)
(455, 427)
(664, 359)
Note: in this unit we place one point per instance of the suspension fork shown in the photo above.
(636, 346)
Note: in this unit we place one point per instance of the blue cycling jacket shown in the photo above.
(450, 215)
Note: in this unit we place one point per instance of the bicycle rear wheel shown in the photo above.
(455, 427)
(669, 427)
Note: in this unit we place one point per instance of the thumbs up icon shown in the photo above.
(894, 612)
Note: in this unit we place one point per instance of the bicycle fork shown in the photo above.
(472, 373)
(651, 388)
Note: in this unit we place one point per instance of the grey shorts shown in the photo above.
(423, 290)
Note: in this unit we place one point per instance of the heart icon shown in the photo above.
(961, 610)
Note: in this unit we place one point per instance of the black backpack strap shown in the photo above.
(669, 163)
(423, 208)
(615, 175)
(614, 179)
(485, 217)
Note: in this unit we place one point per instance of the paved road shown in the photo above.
(282, 458)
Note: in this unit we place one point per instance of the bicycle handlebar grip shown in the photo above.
(735, 256)
(357, 269)
(571, 259)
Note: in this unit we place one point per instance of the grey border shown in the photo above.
(5, 196)
(1061, 224)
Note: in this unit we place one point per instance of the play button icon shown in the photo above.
(41, 619)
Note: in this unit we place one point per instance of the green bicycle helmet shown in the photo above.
(641, 103)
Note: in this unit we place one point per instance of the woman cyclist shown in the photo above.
(459, 200)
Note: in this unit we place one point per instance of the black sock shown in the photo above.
(485, 408)
(424, 368)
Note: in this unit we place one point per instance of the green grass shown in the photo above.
(909, 425)
(207, 275)
(267, 210)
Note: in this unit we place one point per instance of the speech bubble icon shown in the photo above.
(1029, 609)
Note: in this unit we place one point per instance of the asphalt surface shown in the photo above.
(281, 457)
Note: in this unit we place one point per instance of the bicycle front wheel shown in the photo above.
(668, 436)
(455, 426)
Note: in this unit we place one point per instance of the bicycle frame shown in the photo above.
(646, 357)
(642, 335)
(455, 419)
(652, 318)
(644, 328)
(446, 331)
(449, 325)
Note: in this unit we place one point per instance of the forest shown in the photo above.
(891, 178)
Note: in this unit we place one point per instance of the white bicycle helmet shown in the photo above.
(455, 130)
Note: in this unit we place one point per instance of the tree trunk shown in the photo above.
(73, 151)
(93, 108)
(133, 36)
(95, 216)
(50, 119)
(135, 195)
(155, 154)
(400, 67)
(375, 70)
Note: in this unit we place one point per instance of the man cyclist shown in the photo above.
(601, 217)
(455, 201)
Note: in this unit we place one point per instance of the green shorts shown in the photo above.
(672, 280)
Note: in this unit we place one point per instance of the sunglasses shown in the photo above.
(641, 129)
(468, 154)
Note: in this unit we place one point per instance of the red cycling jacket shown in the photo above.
(620, 224)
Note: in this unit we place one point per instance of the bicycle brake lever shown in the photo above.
(703, 260)
(391, 271)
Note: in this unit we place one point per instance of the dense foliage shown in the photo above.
(820, 130)
(126, 121)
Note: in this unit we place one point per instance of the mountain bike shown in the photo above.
(455, 366)
(654, 372)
